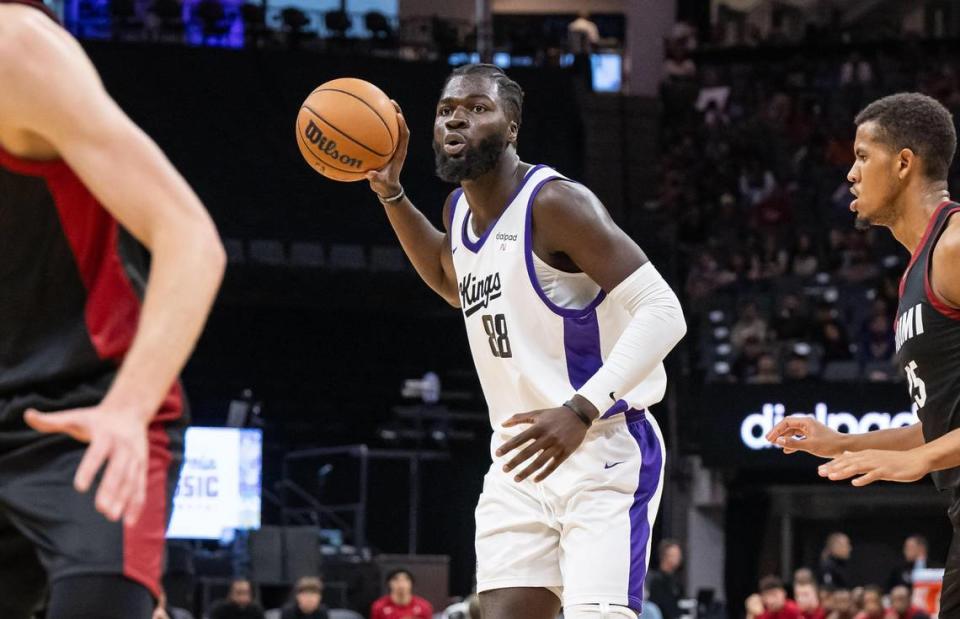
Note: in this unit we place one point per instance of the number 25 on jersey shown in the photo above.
(918, 390)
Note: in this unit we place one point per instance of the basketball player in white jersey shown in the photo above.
(568, 324)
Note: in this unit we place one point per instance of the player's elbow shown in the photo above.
(674, 323)
(199, 243)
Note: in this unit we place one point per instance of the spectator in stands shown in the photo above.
(663, 584)
(876, 344)
(792, 321)
(797, 367)
(238, 604)
(400, 602)
(750, 324)
(768, 371)
(901, 606)
(808, 598)
(872, 603)
(833, 561)
(831, 334)
(306, 604)
(841, 605)
(773, 597)
(803, 576)
(914, 558)
(583, 34)
(804, 261)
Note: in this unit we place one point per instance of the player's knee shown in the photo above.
(598, 611)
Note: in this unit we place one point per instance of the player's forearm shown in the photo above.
(187, 267)
(893, 439)
(942, 453)
(656, 327)
(423, 244)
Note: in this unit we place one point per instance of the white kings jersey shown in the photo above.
(530, 353)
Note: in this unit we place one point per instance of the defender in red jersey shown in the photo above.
(91, 414)
(904, 147)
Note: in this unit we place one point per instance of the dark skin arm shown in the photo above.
(427, 247)
(573, 232)
(911, 460)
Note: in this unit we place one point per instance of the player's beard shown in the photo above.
(474, 163)
(861, 223)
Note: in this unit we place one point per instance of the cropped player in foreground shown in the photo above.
(904, 146)
(568, 325)
(86, 484)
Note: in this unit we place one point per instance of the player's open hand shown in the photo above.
(872, 465)
(118, 440)
(385, 182)
(803, 433)
(553, 435)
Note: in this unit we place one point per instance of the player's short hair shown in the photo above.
(918, 122)
(508, 90)
(396, 572)
(768, 583)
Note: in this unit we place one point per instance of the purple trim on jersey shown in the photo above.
(453, 209)
(475, 246)
(650, 469)
(532, 272)
(581, 345)
(620, 406)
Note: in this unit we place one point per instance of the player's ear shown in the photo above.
(513, 130)
(906, 161)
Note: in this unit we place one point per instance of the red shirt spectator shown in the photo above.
(808, 600)
(385, 608)
(901, 606)
(400, 602)
(775, 602)
(789, 610)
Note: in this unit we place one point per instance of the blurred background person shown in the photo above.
(307, 600)
(400, 602)
(239, 603)
(833, 561)
(663, 583)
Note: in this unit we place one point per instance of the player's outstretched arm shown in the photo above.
(803, 433)
(882, 456)
(53, 96)
(427, 247)
(569, 220)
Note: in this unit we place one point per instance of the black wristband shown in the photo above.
(582, 415)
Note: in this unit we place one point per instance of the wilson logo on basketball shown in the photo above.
(328, 147)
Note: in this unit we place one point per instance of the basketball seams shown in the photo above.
(360, 175)
(393, 141)
(345, 134)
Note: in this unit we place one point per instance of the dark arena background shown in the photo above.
(718, 135)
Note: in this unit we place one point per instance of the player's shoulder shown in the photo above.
(29, 43)
(949, 241)
(565, 200)
(23, 30)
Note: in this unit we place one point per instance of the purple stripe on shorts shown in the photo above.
(652, 461)
(581, 344)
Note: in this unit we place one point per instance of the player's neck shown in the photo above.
(488, 195)
(915, 213)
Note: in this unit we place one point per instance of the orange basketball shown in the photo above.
(347, 127)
